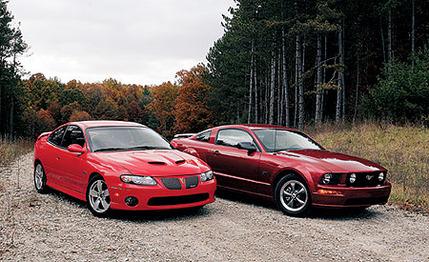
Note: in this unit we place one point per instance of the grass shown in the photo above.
(403, 150)
(10, 149)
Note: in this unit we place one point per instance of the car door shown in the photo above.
(72, 163)
(51, 160)
(234, 167)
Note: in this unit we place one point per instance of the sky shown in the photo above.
(134, 41)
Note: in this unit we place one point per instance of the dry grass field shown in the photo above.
(404, 151)
(11, 149)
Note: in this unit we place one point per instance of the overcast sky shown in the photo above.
(134, 41)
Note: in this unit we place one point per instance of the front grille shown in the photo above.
(177, 200)
(191, 181)
(366, 201)
(363, 181)
(171, 183)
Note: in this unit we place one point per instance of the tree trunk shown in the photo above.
(249, 114)
(297, 77)
(389, 37)
(255, 81)
(272, 86)
(318, 84)
(343, 81)
(383, 42)
(339, 78)
(279, 89)
(11, 116)
(285, 82)
(357, 88)
(301, 87)
(413, 30)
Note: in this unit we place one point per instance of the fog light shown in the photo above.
(131, 201)
(381, 177)
(352, 178)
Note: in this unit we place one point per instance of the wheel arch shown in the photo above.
(282, 173)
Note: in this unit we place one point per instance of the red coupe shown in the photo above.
(287, 166)
(120, 165)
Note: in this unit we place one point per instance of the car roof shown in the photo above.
(258, 126)
(102, 123)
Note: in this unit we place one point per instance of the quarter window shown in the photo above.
(204, 136)
(57, 136)
(231, 137)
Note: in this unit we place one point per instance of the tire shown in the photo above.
(292, 196)
(98, 197)
(39, 177)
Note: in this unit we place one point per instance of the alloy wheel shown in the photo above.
(293, 195)
(99, 196)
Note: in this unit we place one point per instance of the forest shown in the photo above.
(296, 63)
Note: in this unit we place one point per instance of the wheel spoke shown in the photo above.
(104, 203)
(97, 204)
(300, 201)
(93, 193)
(99, 186)
(106, 193)
(290, 203)
(302, 190)
(292, 185)
(285, 192)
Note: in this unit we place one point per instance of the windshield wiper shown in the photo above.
(110, 149)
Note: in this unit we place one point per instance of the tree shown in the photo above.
(162, 106)
(80, 116)
(191, 110)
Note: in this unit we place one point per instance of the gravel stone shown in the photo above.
(55, 227)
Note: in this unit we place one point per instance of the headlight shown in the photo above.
(138, 180)
(352, 178)
(206, 176)
(381, 177)
(326, 179)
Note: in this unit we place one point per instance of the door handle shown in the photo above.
(58, 158)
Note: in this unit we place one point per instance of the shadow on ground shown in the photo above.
(316, 213)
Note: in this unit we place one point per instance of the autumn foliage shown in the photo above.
(191, 110)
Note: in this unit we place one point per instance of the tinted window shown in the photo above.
(57, 136)
(125, 138)
(204, 136)
(280, 140)
(73, 135)
(231, 137)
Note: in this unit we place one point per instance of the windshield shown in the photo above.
(280, 140)
(125, 138)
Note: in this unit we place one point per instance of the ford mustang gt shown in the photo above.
(120, 165)
(287, 166)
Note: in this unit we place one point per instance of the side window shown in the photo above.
(57, 136)
(73, 135)
(231, 137)
(204, 136)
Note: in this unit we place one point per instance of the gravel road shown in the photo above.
(54, 227)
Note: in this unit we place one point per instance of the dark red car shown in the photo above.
(287, 166)
(120, 165)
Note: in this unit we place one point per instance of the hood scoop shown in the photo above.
(179, 162)
(158, 163)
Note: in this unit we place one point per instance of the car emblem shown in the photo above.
(182, 180)
(368, 177)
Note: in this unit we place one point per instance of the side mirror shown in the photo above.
(250, 147)
(75, 148)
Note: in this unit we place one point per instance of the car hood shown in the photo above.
(334, 162)
(154, 162)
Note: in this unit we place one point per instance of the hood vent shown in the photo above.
(156, 163)
(179, 162)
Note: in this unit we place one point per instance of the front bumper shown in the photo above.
(160, 198)
(335, 196)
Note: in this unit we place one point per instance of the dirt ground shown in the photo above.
(54, 227)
